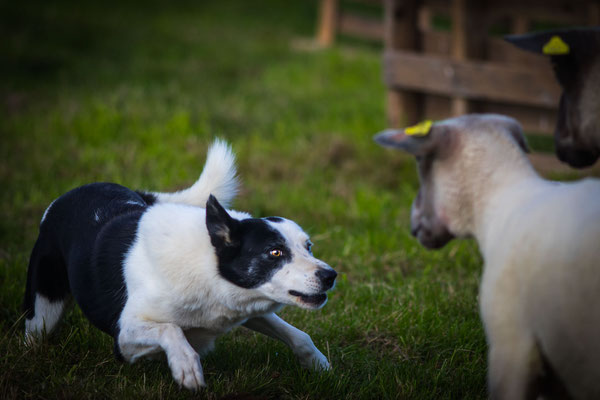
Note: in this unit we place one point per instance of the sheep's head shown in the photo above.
(457, 160)
(575, 56)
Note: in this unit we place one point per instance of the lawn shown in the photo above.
(133, 93)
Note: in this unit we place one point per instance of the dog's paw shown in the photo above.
(315, 361)
(187, 370)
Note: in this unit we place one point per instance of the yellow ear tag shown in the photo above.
(420, 129)
(555, 46)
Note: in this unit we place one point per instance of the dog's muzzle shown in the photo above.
(326, 279)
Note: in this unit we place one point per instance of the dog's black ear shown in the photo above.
(221, 227)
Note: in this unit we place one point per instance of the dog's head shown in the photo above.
(575, 56)
(460, 161)
(271, 255)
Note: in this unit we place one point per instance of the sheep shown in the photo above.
(540, 242)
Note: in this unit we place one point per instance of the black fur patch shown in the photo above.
(80, 249)
(46, 275)
(243, 247)
(106, 293)
(149, 198)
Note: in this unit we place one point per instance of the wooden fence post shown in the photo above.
(328, 19)
(401, 33)
(468, 40)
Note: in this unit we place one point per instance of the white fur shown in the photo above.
(541, 284)
(175, 291)
(178, 303)
(541, 244)
(47, 315)
(218, 178)
(300, 343)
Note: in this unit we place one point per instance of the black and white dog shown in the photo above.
(160, 273)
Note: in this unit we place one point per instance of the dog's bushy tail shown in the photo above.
(218, 178)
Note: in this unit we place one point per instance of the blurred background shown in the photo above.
(134, 92)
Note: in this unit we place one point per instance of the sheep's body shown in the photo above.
(541, 245)
(541, 282)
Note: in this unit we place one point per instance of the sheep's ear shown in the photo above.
(221, 227)
(510, 125)
(559, 42)
(534, 42)
(516, 131)
(417, 140)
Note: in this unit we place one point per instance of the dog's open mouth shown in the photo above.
(310, 299)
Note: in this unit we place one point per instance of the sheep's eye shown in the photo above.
(276, 253)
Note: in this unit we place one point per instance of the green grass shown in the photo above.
(133, 93)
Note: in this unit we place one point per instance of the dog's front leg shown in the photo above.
(139, 338)
(300, 342)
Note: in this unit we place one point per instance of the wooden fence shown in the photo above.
(435, 73)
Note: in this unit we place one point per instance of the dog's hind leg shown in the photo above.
(47, 292)
(300, 342)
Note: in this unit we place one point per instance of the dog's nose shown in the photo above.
(327, 277)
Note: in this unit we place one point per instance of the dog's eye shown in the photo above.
(309, 246)
(276, 253)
